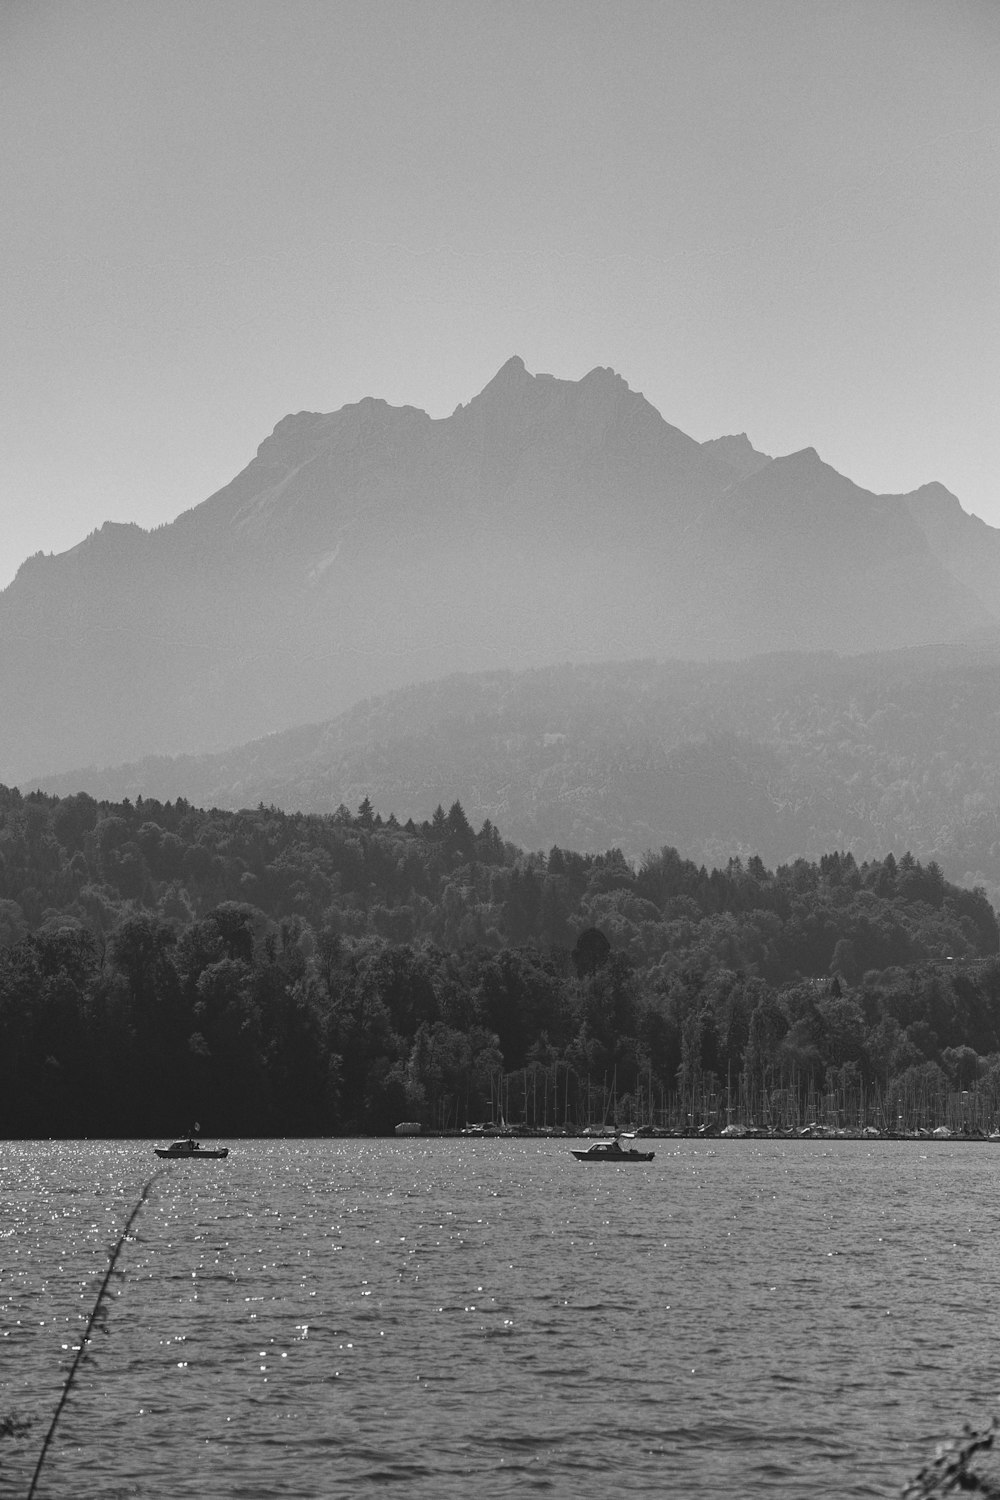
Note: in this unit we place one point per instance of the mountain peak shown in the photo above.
(604, 375)
(736, 450)
(803, 457)
(510, 375)
(806, 467)
(512, 382)
(938, 494)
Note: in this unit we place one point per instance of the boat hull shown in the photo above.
(613, 1156)
(199, 1155)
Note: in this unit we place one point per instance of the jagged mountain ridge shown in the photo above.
(546, 520)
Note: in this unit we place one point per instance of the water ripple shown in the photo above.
(334, 1319)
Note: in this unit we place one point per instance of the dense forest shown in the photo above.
(273, 973)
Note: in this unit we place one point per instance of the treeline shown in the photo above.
(782, 756)
(273, 973)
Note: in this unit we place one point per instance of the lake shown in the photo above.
(449, 1317)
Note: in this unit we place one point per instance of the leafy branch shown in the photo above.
(950, 1471)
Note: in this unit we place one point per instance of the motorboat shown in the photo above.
(190, 1147)
(612, 1151)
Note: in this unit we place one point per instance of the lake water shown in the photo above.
(449, 1318)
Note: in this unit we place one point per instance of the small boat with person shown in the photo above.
(190, 1147)
(612, 1150)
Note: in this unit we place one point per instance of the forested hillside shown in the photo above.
(272, 973)
(782, 756)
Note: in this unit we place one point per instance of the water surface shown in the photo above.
(442, 1318)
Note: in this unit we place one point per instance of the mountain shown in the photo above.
(806, 560)
(784, 756)
(547, 520)
(737, 450)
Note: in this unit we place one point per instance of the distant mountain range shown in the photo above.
(783, 756)
(546, 521)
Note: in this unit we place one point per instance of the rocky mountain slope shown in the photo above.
(545, 521)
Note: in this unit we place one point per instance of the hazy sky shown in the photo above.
(768, 216)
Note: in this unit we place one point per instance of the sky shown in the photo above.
(773, 216)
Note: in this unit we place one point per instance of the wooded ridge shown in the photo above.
(781, 756)
(272, 973)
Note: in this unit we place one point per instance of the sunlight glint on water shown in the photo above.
(328, 1318)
